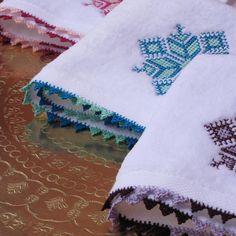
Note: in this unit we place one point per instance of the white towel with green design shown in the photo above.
(113, 79)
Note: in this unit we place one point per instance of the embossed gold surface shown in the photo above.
(53, 182)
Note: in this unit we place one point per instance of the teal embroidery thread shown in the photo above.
(166, 57)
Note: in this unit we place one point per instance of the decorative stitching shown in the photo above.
(105, 6)
(153, 47)
(223, 134)
(142, 229)
(110, 118)
(98, 113)
(214, 43)
(154, 196)
(231, 150)
(165, 58)
(32, 22)
(149, 229)
(36, 46)
(79, 126)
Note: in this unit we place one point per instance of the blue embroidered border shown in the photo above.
(110, 118)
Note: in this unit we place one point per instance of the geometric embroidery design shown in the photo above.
(166, 57)
(223, 134)
(105, 6)
(214, 43)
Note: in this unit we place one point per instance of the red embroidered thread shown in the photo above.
(105, 6)
(37, 20)
(64, 35)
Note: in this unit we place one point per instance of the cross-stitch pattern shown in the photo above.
(166, 57)
(223, 134)
(214, 43)
(105, 6)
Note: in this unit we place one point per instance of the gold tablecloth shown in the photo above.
(53, 181)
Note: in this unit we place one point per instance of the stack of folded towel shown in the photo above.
(164, 69)
(51, 25)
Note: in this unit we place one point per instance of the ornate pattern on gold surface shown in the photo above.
(53, 182)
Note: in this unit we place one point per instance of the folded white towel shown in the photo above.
(181, 173)
(104, 83)
(179, 178)
(52, 25)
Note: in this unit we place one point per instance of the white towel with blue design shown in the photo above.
(179, 179)
(112, 79)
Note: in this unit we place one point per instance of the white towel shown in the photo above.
(51, 25)
(180, 176)
(111, 80)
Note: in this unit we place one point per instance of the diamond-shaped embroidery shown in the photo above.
(152, 47)
(105, 6)
(214, 43)
(222, 132)
(165, 58)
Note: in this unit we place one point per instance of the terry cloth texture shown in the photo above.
(112, 80)
(51, 25)
(179, 178)
(174, 62)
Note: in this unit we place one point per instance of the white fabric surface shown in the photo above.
(71, 19)
(175, 151)
(99, 68)
(68, 14)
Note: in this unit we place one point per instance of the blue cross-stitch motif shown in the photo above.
(214, 43)
(166, 57)
(152, 47)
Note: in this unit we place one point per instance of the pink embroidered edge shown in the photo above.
(33, 22)
(142, 192)
(105, 6)
(36, 46)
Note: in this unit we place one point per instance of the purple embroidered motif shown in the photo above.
(223, 134)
